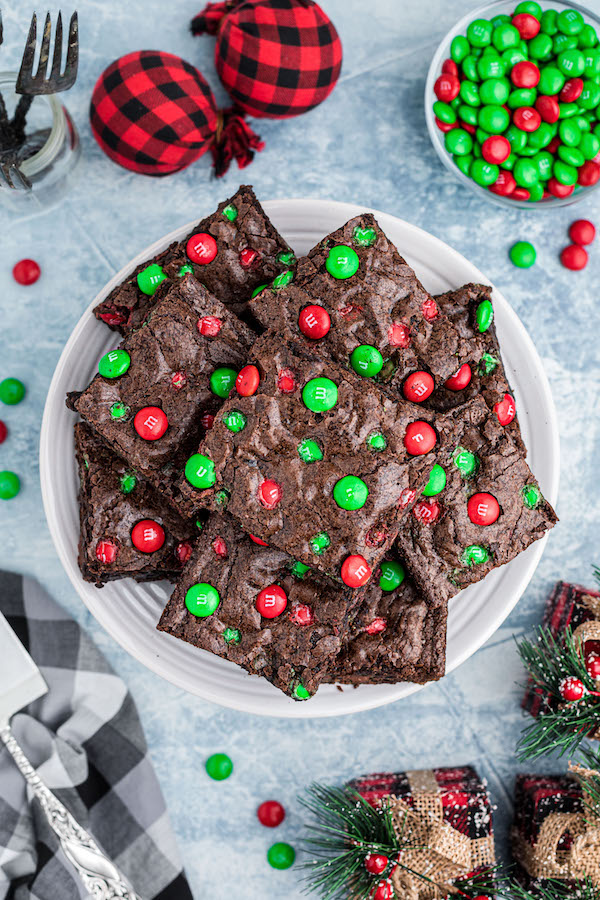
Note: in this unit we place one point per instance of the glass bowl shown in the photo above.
(488, 11)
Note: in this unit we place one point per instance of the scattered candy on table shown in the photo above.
(219, 766)
(26, 271)
(270, 813)
(522, 254)
(574, 257)
(12, 391)
(519, 103)
(9, 485)
(281, 856)
(582, 232)
(3, 431)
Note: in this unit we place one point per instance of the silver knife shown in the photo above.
(21, 683)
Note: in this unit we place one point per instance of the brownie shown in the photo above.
(187, 336)
(293, 650)
(444, 549)
(250, 253)
(488, 376)
(275, 464)
(112, 500)
(382, 305)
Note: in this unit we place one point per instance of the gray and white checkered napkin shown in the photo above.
(86, 742)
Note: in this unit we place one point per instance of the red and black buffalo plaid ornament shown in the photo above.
(154, 113)
(276, 58)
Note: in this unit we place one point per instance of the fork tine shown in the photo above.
(72, 53)
(1, 28)
(45, 49)
(23, 179)
(26, 70)
(57, 58)
(5, 169)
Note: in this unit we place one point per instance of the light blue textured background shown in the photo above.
(366, 144)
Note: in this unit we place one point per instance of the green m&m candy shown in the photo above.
(114, 364)
(469, 93)
(571, 155)
(364, 237)
(392, 575)
(530, 7)
(459, 48)
(532, 496)
(569, 132)
(493, 119)
(128, 482)
(219, 766)
(119, 410)
(474, 555)
(525, 173)
(587, 37)
(200, 471)
(202, 599)
(286, 257)
(149, 278)
(10, 485)
(479, 33)
(484, 173)
(465, 461)
(320, 543)
(487, 364)
(377, 441)
(235, 420)
(569, 21)
(464, 163)
(309, 451)
(320, 394)
(299, 569)
(282, 280)
(522, 254)
(490, 68)
(299, 693)
(281, 855)
(222, 380)
(366, 360)
(342, 262)
(589, 146)
(494, 91)
(350, 492)
(230, 212)
(551, 81)
(445, 113)
(458, 141)
(571, 63)
(257, 290)
(505, 36)
(436, 483)
(484, 315)
(12, 391)
(564, 173)
(469, 67)
(548, 20)
(185, 269)
(590, 95)
(540, 47)
(231, 636)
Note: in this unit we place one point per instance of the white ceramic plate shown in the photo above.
(129, 611)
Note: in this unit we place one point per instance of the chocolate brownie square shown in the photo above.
(258, 607)
(112, 501)
(355, 298)
(153, 391)
(232, 252)
(317, 461)
(485, 509)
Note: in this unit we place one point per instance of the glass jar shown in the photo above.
(49, 155)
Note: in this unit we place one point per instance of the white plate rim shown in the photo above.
(360, 695)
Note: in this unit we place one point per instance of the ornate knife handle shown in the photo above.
(99, 875)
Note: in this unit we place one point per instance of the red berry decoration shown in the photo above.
(505, 410)
(527, 26)
(301, 614)
(556, 188)
(525, 74)
(271, 601)
(269, 494)
(483, 509)
(592, 664)
(549, 111)
(270, 813)
(572, 689)
(209, 326)
(572, 90)
(248, 257)
(183, 552)
(376, 627)
(527, 118)
(314, 322)
(504, 184)
(3, 431)
(420, 438)
(399, 335)
(201, 248)
(582, 232)
(574, 257)
(220, 547)
(150, 423)
(588, 173)
(427, 511)
(447, 87)
(430, 310)
(461, 379)
(418, 387)
(376, 863)
(246, 384)
(286, 381)
(26, 271)
(355, 571)
(495, 149)
(384, 891)
(147, 536)
(258, 541)
(106, 552)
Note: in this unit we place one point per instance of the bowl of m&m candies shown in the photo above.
(512, 102)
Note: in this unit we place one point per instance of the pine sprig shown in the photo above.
(560, 726)
(588, 770)
(346, 829)
(554, 890)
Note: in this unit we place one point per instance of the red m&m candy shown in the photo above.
(574, 257)
(549, 110)
(505, 410)
(209, 326)
(183, 552)
(271, 601)
(527, 119)
(527, 25)
(460, 380)
(418, 387)
(270, 813)
(430, 309)
(445, 126)
(588, 173)
(147, 536)
(207, 421)
(150, 423)
(557, 189)
(399, 335)
(247, 257)
(420, 438)
(582, 232)
(376, 626)
(269, 494)
(220, 547)
(572, 90)
(447, 87)
(201, 248)
(495, 149)
(356, 571)
(246, 384)
(525, 74)
(483, 509)
(427, 511)
(504, 184)
(258, 541)
(26, 271)
(106, 551)
(314, 322)
(286, 381)
(301, 614)
(3, 431)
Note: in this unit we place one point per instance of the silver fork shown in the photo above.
(12, 175)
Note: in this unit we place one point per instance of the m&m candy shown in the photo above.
(12, 391)
(150, 423)
(460, 380)
(574, 257)
(218, 766)
(483, 509)
(26, 271)
(418, 386)
(247, 381)
(420, 438)
(10, 485)
(202, 600)
(3, 432)
(271, 601)
(582, 232)
(147, 536)
(201, 248)
(270, 813)
(314, 322)
(270, 493)
(355, 571)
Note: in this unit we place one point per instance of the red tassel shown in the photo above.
(234, 140)
(209, 20)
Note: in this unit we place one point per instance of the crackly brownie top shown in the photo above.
(258, 607)
(316, 461)
(353, 291)
(150, 393)
(486, 508)
(113, 501)
(232, 252)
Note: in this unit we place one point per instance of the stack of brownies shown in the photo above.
(316, 451)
